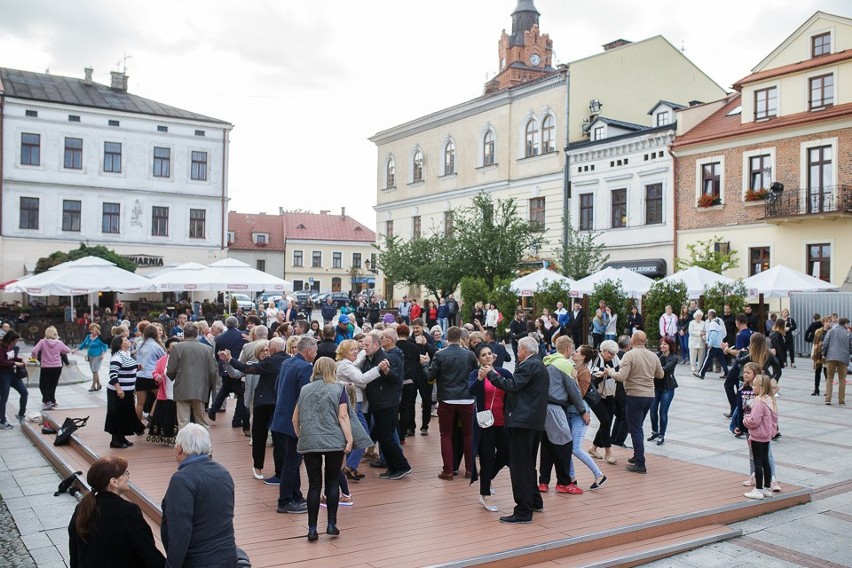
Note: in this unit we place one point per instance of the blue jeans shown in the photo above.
(578, 433)
(660, 410)
(635, 410)
(684, 347)
(8, 381)
(355, 455)
(443, 322)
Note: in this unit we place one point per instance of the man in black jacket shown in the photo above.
(425, 346)
(578, 324)
(409, 385)
(501, 356)
(525, 410)
(517, 330)
(450, 369)
(327, 347)
(232, 340)
(383, 395)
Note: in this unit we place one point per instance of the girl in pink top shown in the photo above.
(762, 424)
(49, 351)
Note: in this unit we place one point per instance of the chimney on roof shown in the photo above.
(280, 210)
(343, 211)
(324, 211)
(119, 81)
(616, 43)
(88, 78)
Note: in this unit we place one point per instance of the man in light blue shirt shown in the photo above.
(714, 331)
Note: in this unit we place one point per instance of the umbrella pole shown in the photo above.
(761, 314)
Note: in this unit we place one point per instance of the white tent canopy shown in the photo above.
(226, 275)
(80, 277)
(178, 278)
(526, 285)
(779, 281)
(635, 285)
(697, 279)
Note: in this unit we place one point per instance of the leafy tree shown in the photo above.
(707, 254)
(717, 296)
(431, 262)
(58, 257)
(660, 295)
(506, 301)
(493, 238)
(473, 289)
(548, 293)
(613, 294)
(580, 254)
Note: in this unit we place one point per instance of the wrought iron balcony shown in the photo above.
(827, 201)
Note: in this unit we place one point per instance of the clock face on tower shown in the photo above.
(535, 59)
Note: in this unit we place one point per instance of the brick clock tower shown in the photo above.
(526, 54)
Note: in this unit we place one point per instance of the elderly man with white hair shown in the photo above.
(198, 509)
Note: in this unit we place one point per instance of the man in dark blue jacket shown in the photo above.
(328, 310)
(294, 374)
(525, 411)
(232, 340)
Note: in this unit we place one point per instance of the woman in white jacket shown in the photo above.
(697, 342)
(349, 358)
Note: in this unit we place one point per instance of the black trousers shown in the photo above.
(523, 448)
(316, 475)
(47, 381)
(231, 385)
(284, 452)
(493, 455)
(425, 390)
(762, 471)
(604, 411)
(384, 425)
(259, 433)
(554, 454)
(406, 409)
(619, 424)
(732, 382)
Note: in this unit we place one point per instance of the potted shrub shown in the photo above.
(756, 194)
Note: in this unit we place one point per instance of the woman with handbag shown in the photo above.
(490, 438)
(663, 391)
(583, 357)
(610, 407)
(50, 352)
(12, 370)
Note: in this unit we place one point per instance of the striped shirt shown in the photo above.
(122, 370)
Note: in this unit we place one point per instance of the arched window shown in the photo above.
(390, 173)
(488, 148)
(449, 158)
(532, 146)
(417, 166)
(548, 134)
(336, 284)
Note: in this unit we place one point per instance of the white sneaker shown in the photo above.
(775, 486)
(754, 494)
(767, 492)
(485, 501)
(749, 482)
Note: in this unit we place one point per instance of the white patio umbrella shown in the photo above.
(779, 281)
(697, 279)
(234, 275)
(527, 285)
(179, 278)
(635, 285)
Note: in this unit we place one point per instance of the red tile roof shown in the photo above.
(794, 67)
(301, 226)
(722, 125)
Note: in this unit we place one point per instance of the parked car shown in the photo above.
(340, 299)
(244, 302)
(274, 296)
(301, 300)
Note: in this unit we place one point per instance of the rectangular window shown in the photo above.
(199, 133)
(231, 236)
(821, 44)
(316, 259)
(30, 149)
(162, 162)
(298, 285)
(765, 103)
(653, 204)
(299, 261)
(711, 179)
(389, 229)
(821, 91)
(598, 134)
(71, 215)
(760, 172)
(159, 221)
(663, 118)
(112, 157)
(372, 266)
(260, 239)
(32, 113)
(619, 208)
(337, 260)
(415, 227)
(73, 118)
(587, 210)
(73, 154)
(161, 128)
(758, 260)
(820, 178)
(114, 123)
(29, 213)
(261, 265)
(199, 166)
(819, 261)
(197, 223)
(356, 260)
(537, 213)
(448, 223)
(111, 218)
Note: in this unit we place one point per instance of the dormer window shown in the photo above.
(821, 44)
(231, 237)
(598, 133)
(664, 117)
(765, 103)
(261, 239)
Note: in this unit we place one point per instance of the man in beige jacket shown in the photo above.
(193, 369)
(639, 367)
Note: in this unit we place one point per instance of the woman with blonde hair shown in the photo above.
(50, 351)
(95, 348)
(292, 345)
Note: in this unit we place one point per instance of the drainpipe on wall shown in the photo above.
(224, 233)
(566, 178)
(674, 215)
(2, 136)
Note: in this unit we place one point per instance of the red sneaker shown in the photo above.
(572, 489)
(543, 488)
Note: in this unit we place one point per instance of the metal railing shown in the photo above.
(810, 201)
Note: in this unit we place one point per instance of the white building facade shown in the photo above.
(89, 163)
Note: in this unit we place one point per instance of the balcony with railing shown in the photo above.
(822, 202)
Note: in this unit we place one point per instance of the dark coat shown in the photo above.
(450, 369)
(294, 374)
(233, 341)
(268, 369)
(526, 403)
(198, 516)
(119, 537)
(385, 391)
(327, 348)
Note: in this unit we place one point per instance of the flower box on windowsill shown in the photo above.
(706, 201)
(756, 194)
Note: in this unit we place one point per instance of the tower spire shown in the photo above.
(524, 18)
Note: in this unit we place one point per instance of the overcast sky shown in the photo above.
(307, 82)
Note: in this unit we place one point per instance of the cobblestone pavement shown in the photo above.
(814, 451)
(13, 553)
